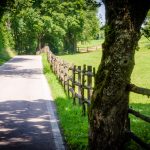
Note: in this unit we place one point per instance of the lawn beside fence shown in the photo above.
(75, 127)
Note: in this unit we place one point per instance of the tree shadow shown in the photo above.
(25, 125)
(12, 69)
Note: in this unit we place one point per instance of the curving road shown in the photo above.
(27, 111)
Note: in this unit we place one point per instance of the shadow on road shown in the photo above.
(25, 125)
(12, 69)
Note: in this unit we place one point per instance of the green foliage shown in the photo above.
(6, 32)
(91, 27)
(59, 24)
(5, 5)
(146, 27)
(5, 43)
(3, 54)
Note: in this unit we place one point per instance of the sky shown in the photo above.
(101, 14)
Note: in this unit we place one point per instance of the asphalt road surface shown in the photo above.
(27, 113)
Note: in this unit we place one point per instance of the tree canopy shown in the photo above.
(59, 24)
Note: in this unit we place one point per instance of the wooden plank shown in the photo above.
(89, 83)
(139, 115)
(82, 90)
(79, 81)
(138, 140)
(94, 74)
(73, 82)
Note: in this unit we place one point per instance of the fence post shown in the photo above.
(49, 57)
(94, 73)
(62, 73)
(58, 65)
(60, 70)
(68, 81)
(65, 75)
(82, 90)
(73, 83)
(47, 54)
(89, 82)
(79, 81)
(53, 63)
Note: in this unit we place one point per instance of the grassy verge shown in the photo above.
(3, 57)
(73, 124)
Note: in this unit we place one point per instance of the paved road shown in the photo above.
(27, 112)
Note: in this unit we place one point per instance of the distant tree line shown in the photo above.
(31, 24)
(146, 27)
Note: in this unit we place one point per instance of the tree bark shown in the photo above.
(109, 106)
(70, 43)
(40, 42)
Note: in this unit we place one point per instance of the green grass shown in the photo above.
(140, 77)
(91, 58)
(73, 124)
(90, 43)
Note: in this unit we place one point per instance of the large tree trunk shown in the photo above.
(109, 107)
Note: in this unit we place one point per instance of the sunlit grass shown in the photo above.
(90, 43)
(74, 126)
(140, 77)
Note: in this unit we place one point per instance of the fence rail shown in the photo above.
(88, 49)
(78, 82)
(142, 91)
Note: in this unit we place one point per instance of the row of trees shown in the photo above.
(60, 24)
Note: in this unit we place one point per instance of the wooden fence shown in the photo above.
(78, 82)
(143, 91)
(88, 49)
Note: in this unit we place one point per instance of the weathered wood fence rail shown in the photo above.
(78, 82)
(88, 49)
(143, 91)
